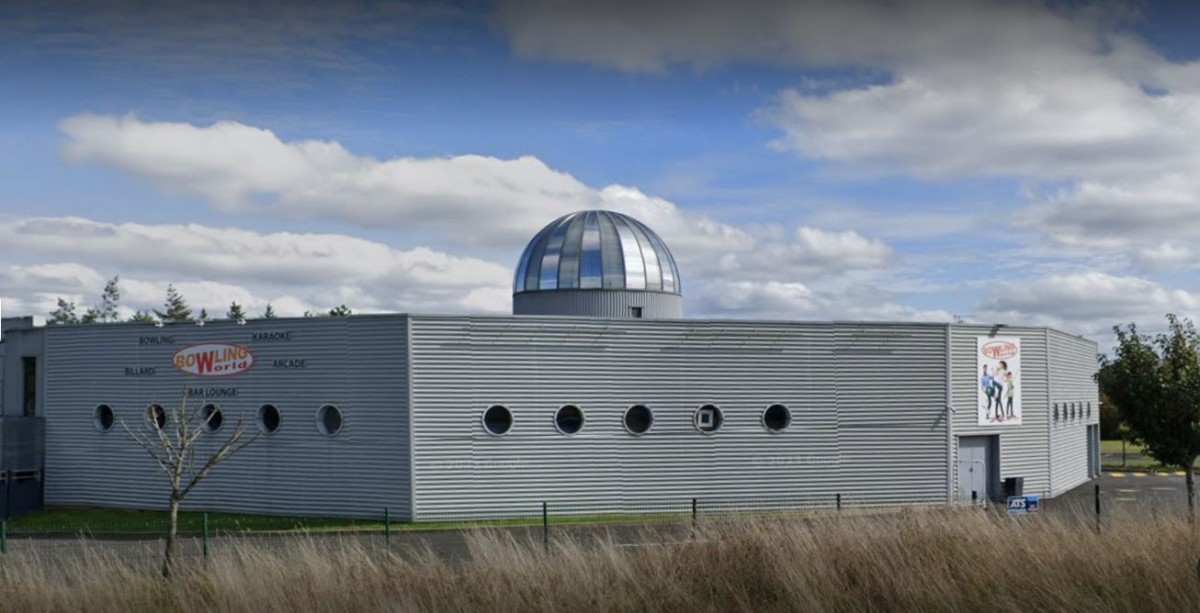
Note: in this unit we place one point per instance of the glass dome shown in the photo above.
(596, 250)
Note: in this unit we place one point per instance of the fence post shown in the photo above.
(839, 502)
(693, 515)
(1097, 508)
(3, 537)
(205, 537)
(545, 525)
(387, 526)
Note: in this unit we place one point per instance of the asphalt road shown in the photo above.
(1134, 495)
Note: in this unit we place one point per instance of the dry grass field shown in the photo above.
(915, 561)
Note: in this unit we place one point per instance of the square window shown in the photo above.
(635, 312)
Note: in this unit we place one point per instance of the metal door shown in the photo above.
(973, 467)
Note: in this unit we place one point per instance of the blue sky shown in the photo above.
(997, 162)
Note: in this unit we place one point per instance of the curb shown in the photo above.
(1155, 473)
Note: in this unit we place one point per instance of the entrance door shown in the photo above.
(974, 467)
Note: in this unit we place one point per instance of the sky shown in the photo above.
(1024, 163)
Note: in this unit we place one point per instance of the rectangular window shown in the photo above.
(635, 312)
(30, 402)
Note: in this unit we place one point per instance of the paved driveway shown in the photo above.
(1135, 495)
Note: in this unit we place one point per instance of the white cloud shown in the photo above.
(812, 252)
(241, 168)
(798, 301)
(1086, 302)
(246, 169)
(965, 89)
(1166, 256)
(299, 271)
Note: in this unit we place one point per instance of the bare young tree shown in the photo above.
(171, 438)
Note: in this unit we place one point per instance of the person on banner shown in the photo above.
(1011, 385)
(986, 382)
(998, 379)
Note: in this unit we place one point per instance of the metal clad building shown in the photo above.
(606, 406)
(355, 364)
(833, 378)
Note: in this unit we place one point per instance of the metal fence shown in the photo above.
(138, 538)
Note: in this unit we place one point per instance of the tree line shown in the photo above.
(175, 310)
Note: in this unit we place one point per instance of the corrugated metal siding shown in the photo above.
(1074, 391)
(607, 304)
(357, 363)
(865, 401)
(1024, 449)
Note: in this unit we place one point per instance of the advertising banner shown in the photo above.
(998, 367)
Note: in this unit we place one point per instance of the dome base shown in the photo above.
(604, 304)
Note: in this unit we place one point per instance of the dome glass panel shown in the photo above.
(596, 250)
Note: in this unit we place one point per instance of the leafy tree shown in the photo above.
(90, 316)
(144, 317)
(337, 311)
(1155, 384)
(110, 300)
(236, 312)
(176, 307)
(270, 312)
(1111, 426)
(64, 314)
(172, 439)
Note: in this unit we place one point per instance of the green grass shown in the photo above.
(71, 520)
(121, 521)
(1134, 458)
(1114, 447)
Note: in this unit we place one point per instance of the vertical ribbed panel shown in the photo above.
(605, 304)
(1072, 367)
(358, 364)
(1024, 449)
(866, 402)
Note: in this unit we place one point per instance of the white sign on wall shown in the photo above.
(998, 372)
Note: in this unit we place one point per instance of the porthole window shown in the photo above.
(268, 418)
(156, 416)
(212, 417)
(103, 417)
(638, 419)
(329, 420)
(777, 418)
(708, 418)
(497, 420)
(568, 419)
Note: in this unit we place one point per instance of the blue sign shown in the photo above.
(1023, 505)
